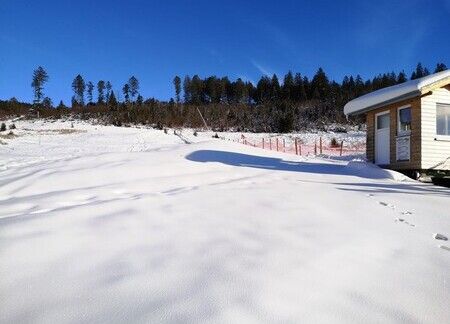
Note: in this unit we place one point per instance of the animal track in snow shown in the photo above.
(443, 247)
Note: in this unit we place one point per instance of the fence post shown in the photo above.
(315, 147)
(296, 147)
(320, 144)
(300, 149)
(342, 144)
(270, 144)
(284, 145)
(277, 144)
(263, 143)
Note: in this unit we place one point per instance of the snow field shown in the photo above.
(112, 224)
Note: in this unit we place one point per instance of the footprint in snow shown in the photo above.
(386, 204)
(441, 237)
(402, 220)
(443, 247)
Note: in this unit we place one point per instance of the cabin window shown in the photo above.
(404, 120)
(442, 119)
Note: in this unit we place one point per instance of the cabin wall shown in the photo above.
(415, 161)
(435, 149)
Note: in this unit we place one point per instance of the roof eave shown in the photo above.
(405, 96)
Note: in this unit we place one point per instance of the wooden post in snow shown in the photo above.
(320, 144)
(342, 145)
(270, 144)
(263, 143)
(296, 147)
(315, 147)
(284, 145)
(277, 144)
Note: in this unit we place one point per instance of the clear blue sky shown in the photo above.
(156, 40)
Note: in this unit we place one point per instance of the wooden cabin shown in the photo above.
(408, 125)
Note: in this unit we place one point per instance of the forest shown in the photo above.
(294, 103)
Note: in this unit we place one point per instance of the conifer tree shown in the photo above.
(101, 92)
(90, 90)
(78, 87)
(108, 90)
(133, 85)
(40, 77)
(126, 92)
(440, 67)
(187, 89)
(177, 85)
(401, 78)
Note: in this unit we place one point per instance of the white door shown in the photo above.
(382, 138)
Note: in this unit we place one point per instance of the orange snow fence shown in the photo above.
(295, 146)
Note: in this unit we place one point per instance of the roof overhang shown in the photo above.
(406, 96)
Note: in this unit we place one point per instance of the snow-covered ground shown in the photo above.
(106, 224)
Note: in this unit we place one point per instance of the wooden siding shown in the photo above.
(415, 162)
(434, 151)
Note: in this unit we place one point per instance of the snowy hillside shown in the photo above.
(107, 224)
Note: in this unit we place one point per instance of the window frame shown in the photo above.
(401, 132)
(442, 136)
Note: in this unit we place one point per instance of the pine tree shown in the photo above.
(47, 103)
(112, 102)
(177, 85)
(320, 85)
(40, 77)
(276, 89)
(78, 87)
(90, 90)
(401, 78)
(440, 67)
(418, 73)
(288, 86)
(139, 100)
(101, 92)
(126, 92)
(61, 105)
(187, 89)
(108, 90)
(133, 84)
(299, 86)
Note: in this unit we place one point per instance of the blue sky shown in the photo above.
(156, 40)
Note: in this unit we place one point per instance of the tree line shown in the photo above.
(294, 103)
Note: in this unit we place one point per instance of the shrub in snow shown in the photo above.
(165, 130)
(12, 126)
(195, 133)
(215, 135)
(334, 142)
(3, 127)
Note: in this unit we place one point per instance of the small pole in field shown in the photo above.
(300, 149)
(315, 147)
(277, 144)
(284, 145)
(270, 144)
(320, 144)
(296, 147)
(342, 144)
(263, 143)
